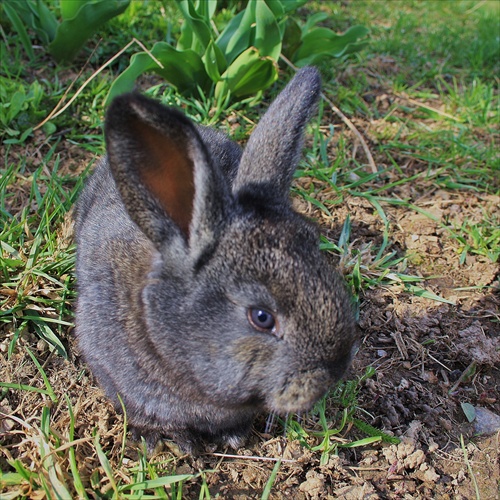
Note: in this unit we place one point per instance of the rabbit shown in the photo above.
(203, 297)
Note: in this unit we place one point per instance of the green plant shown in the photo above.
(310, 44)
(478, 238)
(80, 20)
(36, 266)
(19, 106)
(241, 61)
(343, 396)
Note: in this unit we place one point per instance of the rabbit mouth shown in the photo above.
(300, 394)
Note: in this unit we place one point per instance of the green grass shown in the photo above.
(333, 414)
(37, 258)
(429, 39)
(425, 92)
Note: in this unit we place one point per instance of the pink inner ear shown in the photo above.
(167, 171)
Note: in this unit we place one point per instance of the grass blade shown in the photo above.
(270, 481)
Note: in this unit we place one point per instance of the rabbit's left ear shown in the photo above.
(273, 150)
(163, 171)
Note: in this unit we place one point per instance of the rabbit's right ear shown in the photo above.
(163, 172)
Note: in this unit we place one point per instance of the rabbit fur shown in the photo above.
(203, 297)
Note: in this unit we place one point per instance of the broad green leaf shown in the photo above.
(187, 39)
(183, 69)
(228, 32)
(249, 73)
(73, 33)
(267, 32)
(311, 21)
(69, 8)
(199, 27)
(277, 8)
(206, 9)
(355, 47)
(238, 34)
(288, 5)
(322, 42)
(214, 61)
(18, 102)
(291, 37)
(203, 12)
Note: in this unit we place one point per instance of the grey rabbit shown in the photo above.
(203, 297)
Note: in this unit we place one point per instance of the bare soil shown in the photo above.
(429, 356)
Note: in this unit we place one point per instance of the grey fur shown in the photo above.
(162, 313)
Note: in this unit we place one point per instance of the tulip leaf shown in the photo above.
(69, 8)
(238, 34)
(319, 43)
(72, 33)
(215, 62)
(267, 32)
(248, 74)
(242, 60)
(183, 69)
(195, 25)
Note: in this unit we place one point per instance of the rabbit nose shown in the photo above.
(300, 393)
(338, 365)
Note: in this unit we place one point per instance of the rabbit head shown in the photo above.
(203, 296)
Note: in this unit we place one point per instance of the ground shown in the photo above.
(429, 357)
(428, 320)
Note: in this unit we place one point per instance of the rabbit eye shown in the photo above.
(261, 319)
